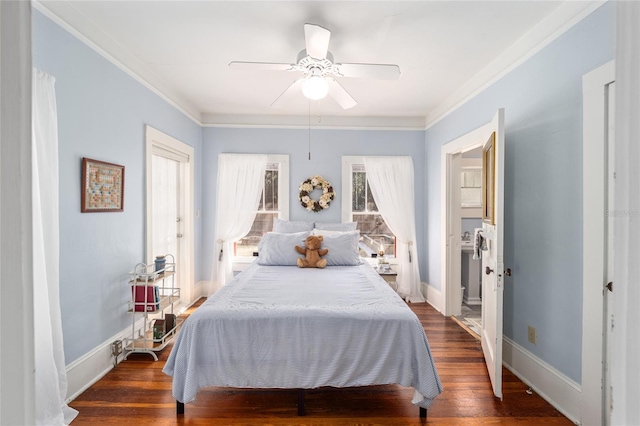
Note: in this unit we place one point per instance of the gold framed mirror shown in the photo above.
(488, 180)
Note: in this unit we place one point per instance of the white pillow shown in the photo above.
(317, 231)
(288, 227)
(343, 248)
(346, 226)
(277, 249)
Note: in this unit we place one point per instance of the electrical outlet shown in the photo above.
(532, 335)
(116, 348)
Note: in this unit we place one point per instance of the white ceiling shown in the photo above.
(446, 50)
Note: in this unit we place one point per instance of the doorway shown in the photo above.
(470, 222)
(491, 138)
(453, 154)
(170, 227)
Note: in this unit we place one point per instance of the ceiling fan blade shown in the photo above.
(293, 90)
(316, 40)
(260, 66)
(377, 71)
(340, 95)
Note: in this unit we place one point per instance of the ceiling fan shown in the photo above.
(316, 64)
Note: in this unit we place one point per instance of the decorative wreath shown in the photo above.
(307, 187)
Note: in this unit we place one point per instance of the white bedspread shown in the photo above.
(286, 327)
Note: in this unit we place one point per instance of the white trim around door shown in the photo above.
(450, 212)
(159, 143)
(594, 159)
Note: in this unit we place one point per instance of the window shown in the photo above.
(360, 206)
(276, 179)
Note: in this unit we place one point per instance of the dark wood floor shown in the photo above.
(137, 392)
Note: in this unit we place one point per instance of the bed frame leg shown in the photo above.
(179, 407)
(423, 413)
(301, 411)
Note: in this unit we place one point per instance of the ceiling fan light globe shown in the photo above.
(315, 87)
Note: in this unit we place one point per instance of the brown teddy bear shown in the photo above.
(312, 253)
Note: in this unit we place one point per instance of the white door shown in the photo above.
(166, 197)
(609, 271)
(492, 261)
(170, 212)
(598, 140)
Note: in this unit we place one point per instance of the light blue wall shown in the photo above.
(327, 149)
(543, 187)
(102, 113)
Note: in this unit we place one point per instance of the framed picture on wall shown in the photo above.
(102, 187)
(488, 180)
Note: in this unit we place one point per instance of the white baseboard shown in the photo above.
(433, 296)
(553, 386)
(200, 289)
(88, 369)
(91, 367)
(472, 300)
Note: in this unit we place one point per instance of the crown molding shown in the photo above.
(564, 17)
(550, 28)
(92, 35)
(314, 121)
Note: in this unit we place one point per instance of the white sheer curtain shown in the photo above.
(625, 370)
(391, 183)
(165, 206)
(51, 376)
(240, 183)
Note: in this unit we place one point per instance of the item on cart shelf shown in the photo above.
(160, 263)
(148, 302)
(159, 329)
(169, 322)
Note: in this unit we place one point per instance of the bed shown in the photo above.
(293, 328)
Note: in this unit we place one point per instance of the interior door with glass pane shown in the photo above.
(166, 208)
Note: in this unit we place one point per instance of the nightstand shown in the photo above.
(389, 275)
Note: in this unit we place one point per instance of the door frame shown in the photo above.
(450, 214)
(159, 141)
(594, 190)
